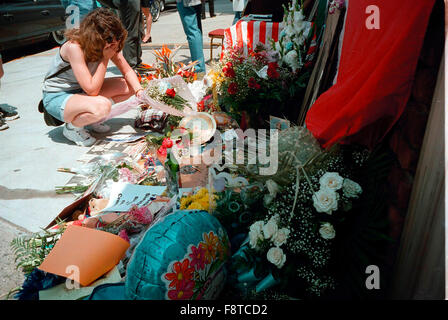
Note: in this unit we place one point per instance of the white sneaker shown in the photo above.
(78, 135)
(100, 127)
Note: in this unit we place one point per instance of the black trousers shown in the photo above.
(198, 10)
(211, 8)
(130, 15)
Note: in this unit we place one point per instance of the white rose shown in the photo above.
(292, 59)
(327, 231)
(270, 228)
(331, 180)
(255, 233)
(273, 187)
(276, 256)
(351, 189)
(298, 17)
(280, 237)
(325, 200)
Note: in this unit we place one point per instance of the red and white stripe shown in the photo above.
(248, 34)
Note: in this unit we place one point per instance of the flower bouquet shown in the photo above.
(301, 236)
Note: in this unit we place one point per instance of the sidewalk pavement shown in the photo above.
(31, 151)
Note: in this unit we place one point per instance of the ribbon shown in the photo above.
(248, 278)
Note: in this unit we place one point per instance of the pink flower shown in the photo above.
(123, 235)
(141, 215)
(197, 256)
(126, 176)
(183, 291)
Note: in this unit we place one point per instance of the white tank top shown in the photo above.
(65, 81)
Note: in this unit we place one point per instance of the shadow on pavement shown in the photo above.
(13, 194)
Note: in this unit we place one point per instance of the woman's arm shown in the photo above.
(90, 84)
(128, 73)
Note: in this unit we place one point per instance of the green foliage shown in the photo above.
(31, 251)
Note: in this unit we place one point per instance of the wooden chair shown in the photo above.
(215, 34)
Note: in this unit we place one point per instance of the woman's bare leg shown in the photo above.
(148, 16)
(116, 88)
(82, 110)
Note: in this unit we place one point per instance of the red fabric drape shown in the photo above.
(375, 73)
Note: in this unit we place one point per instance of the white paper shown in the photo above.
(125, 195)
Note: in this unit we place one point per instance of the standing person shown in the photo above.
(146, 9)
(131, 17)
(188, 14)
(211, 8)
(4, 114)
(238, 7)
(85, 6)
(75, 90)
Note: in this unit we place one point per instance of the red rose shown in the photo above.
(229, 64)
(170, 92)
(167, 143)
(229, 72)
(233, 88)
(253, 84)
(272, 70)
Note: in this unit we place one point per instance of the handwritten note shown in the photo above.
(124, 195)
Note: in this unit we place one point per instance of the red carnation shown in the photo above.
(233, 88)
(253, 84)
(171, 92)
(272, 70)
(167, 143)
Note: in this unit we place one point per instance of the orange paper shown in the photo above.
(84, 254)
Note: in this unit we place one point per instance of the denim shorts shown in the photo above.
(54, 102)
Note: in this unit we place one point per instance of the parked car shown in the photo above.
(164, 2)
(27, 21)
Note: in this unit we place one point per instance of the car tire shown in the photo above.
(155, 10)
(58, 37)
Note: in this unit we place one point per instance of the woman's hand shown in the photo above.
(139, 93)
(109, 51)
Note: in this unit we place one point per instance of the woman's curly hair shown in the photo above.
(99, 27)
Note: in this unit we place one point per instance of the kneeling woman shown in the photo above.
(75, 90)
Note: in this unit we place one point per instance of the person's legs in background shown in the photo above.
(203, 9)
(147, 12)
(188, 16)
(211, 8)
(199, 13)
(130, 16)
(237, 17)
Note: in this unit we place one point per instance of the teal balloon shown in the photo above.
(172, 241)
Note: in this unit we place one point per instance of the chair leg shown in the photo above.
(211, 49)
